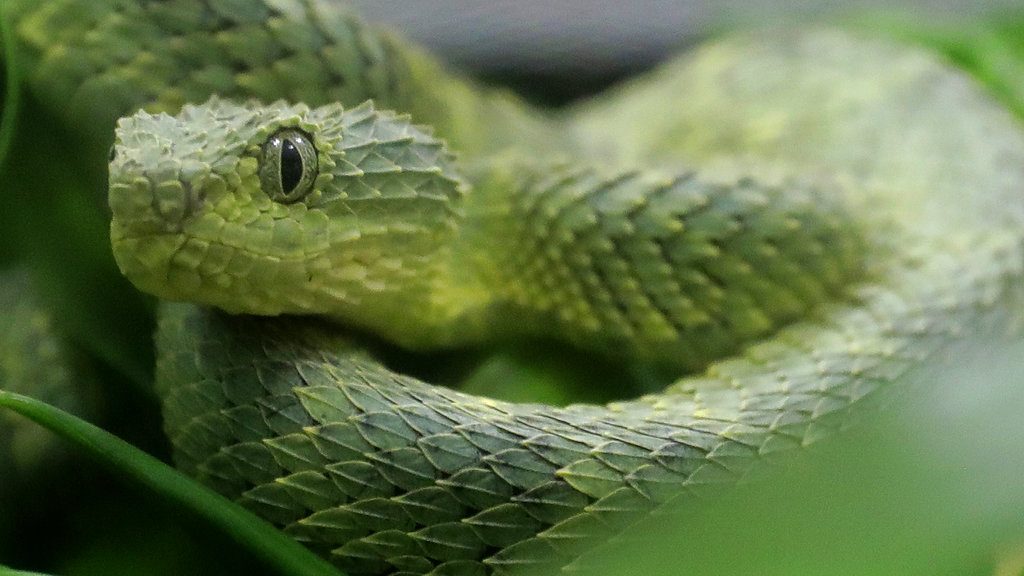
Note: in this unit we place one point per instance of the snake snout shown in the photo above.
(144, 205)
(150, 215)
(156, 166)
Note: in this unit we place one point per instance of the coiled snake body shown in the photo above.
(791, 221)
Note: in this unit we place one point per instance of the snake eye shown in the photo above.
(288, 165)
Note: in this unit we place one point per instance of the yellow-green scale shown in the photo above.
(672, 268)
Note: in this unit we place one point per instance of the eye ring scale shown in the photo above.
(288, 165)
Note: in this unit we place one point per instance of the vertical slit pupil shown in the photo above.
(291, 166)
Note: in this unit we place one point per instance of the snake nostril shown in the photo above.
(142, 207)
(131, 200)
(171, 201)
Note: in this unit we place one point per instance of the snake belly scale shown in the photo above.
(793, 221)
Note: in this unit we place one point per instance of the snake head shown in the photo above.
(280, 208)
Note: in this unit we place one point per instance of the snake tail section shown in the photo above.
(92, 61)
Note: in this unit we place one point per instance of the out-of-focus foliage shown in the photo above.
(930, 486)
(33, 360)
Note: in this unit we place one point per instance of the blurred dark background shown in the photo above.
(555, 51)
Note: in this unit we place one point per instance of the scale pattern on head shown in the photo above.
(281, 208)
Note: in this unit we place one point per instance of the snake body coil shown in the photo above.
(792, 221)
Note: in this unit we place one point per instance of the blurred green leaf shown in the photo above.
(260, 537)
(990, 50)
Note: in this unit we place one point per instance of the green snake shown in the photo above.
(789, 223)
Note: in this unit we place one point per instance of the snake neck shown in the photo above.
(649, 266)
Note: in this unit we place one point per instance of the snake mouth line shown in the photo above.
(185, 238)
